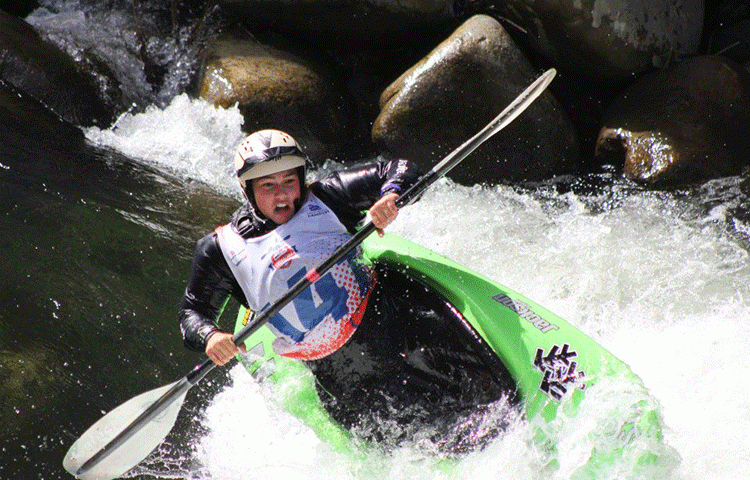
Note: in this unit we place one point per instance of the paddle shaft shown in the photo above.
(438, 171)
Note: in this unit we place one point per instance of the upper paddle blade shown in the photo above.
(116, 458)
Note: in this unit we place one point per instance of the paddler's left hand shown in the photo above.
(384, 211)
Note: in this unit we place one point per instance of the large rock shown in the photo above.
(19, 8)
(455, 91)
(608, 39)
(49, 75)
(347, 24)
(24, 121)
(275, 87)
(728, 30)
(687, 124)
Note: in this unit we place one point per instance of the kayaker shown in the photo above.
(361, 330)
(284, 229)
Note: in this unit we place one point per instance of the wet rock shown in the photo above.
(455, 91)
(19, 8)
(49, 75)
(728, 30)
(607, 39)
(24, 120)
(276, 87)
(348, 24)
(683, 125)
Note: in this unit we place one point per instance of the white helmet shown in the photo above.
(266, 152)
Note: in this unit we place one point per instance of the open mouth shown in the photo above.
(283, 208)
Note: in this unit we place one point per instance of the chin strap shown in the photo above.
(251, 223)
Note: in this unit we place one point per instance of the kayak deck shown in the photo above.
(536, 360)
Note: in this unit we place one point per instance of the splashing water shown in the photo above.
(659, 279)
(189, 138)
(149, 56)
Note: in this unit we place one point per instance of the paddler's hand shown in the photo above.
(384, 211)
(221, 348)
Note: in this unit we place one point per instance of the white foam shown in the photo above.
(650, 276)
(189, 137)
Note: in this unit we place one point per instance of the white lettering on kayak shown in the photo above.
(525, 312)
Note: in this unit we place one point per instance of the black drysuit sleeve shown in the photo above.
(351, 192)
(210, 286)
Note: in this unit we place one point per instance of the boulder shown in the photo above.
(455, 91)
(19, 8)
(25, 121)
(49, 75)
(347, 24)
(728, 30)
(608, 39)
(683, 125)
(276, 87)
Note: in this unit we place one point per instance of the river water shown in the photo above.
(97, 242)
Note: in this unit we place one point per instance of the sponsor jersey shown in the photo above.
(326, 314)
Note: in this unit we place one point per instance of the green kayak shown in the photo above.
(552, 365)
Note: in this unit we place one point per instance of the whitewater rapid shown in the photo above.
(661, 280)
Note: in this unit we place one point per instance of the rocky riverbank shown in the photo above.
(658, 90)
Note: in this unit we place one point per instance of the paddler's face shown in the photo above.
(277, 194)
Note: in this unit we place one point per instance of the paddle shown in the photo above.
(126, 435)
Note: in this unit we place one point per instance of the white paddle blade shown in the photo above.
(133, 450)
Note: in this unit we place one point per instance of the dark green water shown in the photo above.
(94, 254)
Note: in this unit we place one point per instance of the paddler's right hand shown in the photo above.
(221, 348)
(384, 211)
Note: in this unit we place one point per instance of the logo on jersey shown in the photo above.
(237, 257)
(315, 210)
(283, 259)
